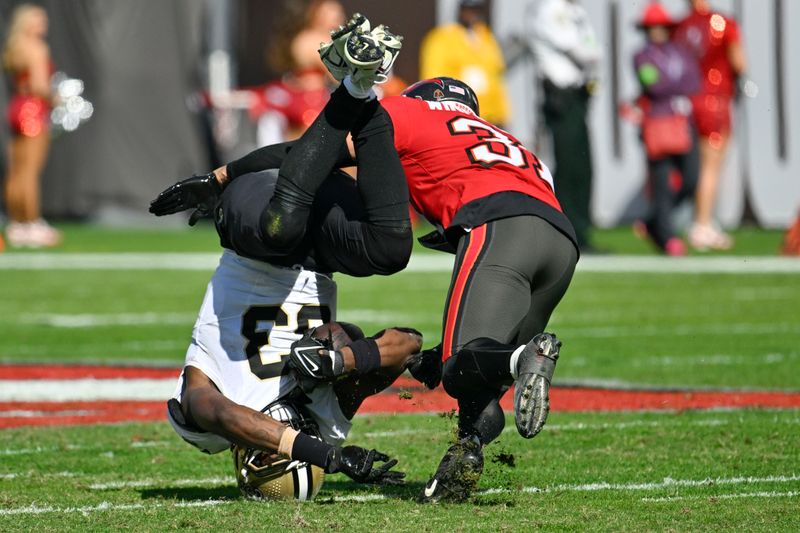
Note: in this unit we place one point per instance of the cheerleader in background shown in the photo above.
(716, 42)
(26, 56)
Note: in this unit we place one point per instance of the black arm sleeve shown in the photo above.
(265, 158)
(272, 156)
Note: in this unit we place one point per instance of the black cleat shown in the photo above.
(458, 473)
(535, 368)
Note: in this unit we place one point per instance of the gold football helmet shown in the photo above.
(268, 476)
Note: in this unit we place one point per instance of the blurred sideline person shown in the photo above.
(26, 56)
(715, 41)
(668, 74)
(253, 345)
(467, 50)
(285, 107)
(568, 57)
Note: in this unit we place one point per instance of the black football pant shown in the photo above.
(565, 111)
(508, 277)
(374, 239)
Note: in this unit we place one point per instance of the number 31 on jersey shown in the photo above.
(497, 147)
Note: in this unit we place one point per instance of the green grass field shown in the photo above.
(633, 471)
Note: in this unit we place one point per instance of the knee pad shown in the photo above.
(283, 228)
(389, 248)
(481, 364)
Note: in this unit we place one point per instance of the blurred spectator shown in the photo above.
(791, 241)
(668, 74)
(467, 50)
(286, 107)
(715, 41)
(26, 56)
(568, 56)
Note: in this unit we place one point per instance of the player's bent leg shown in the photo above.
(304, 170)
(477, 376)
(359, 248)
(479, 365)
(533, 366)
(377, 238)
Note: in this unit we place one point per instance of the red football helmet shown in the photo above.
(443, 89)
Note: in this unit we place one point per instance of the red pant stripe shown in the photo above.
(477, 238)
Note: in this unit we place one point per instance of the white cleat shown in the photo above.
(391, 44)
(333, 53)
(365, 55)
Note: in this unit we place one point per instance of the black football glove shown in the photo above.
(315, 358)
(426, 366)
(198, 192)
(359, 465)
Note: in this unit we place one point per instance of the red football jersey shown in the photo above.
(452, 157)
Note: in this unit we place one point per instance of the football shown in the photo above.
(339, 333)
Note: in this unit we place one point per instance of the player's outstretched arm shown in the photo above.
(210, 410)
(268, 157)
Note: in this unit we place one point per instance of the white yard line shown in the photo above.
(80, 448)
(28, 475)
(686, 330)
(789, 494)
(106, 506)
(95, 320)
(597, 486)
(139, 483)
(92, 320)
(419, 263)
(667, 482)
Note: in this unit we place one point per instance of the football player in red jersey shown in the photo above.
(493, 204)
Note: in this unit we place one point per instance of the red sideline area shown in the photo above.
(8, 371)
(406, 396)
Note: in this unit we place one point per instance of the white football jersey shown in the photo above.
(251, 314)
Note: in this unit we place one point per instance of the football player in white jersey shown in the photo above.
(284, 235)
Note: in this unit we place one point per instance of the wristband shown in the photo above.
(366, 355)
(287, 442)
(311, 450)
